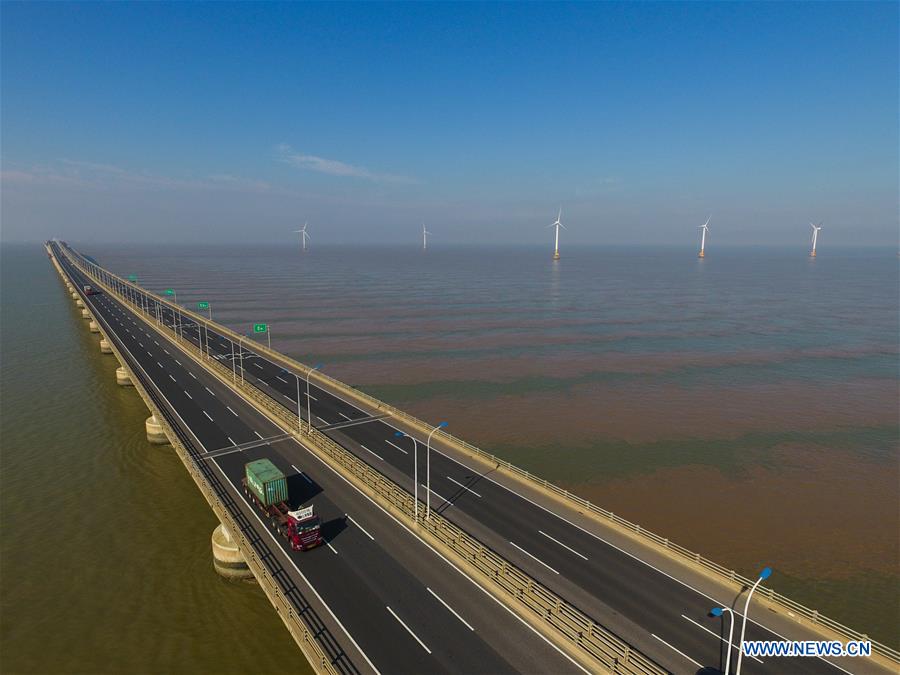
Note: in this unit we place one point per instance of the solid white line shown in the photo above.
(701, 627)
(331, 547)
(408, 630)
(281, 378)
(464, 487)
(678, 651)
(209, 390)
(397, 446)
(369, 451)
(452, 611)
(188, 395)
(446, 501)
(231, 411)
(207, 415)
(361, 527)
(583, 557)
(531, 556)
(345, 417)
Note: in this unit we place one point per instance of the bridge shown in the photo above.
(489, 570)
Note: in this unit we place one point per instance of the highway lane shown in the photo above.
(403, 621)
(662, 616)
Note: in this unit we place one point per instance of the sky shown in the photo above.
(196, 122)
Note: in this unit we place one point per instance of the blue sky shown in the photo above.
(232, 122)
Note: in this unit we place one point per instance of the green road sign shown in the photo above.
(260, 328)
(170, 291)
(132, 277)
(202, 305)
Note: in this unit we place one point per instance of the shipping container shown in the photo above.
(267, 482)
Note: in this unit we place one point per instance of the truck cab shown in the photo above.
(304, 529)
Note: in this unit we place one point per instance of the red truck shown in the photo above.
(90, 290)
(267, 488)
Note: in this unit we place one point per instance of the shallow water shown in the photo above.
(745, 405)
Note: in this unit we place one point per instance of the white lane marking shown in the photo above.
(156, 343)
(345, 417)
(231, 411)
(171, 378)
(450, 609)
(446, 501)
(232, 442)
(397, 446)
(535, 558)
(258, 366)
(188, 395)
(312, 397)
(159, 364)
(701, 627)
(209, 390)
(583, 557)
(331, 547)
(207, 415)
(281, 378)
(677, 651)
(321, 420)
(464, 487)
(258, 434)
(149, 354)
(178, 362)
(307, 478)
(192, 375)
(408, 630)
(369, 451)
(360, 527)
(289, 398)
(166, 351)
(264, 382)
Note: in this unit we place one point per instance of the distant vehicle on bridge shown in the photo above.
(90, 290)
(267, 487)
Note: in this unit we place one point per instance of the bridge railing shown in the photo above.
(246, 539)
(793, 608)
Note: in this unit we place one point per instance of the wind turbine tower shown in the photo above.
(815, 237)
(704, 228)
(557, 224)
(303, 236)
(425, 234)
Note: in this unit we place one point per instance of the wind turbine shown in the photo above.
(815, 229)
(303, 236)
(425, 234)
(557, 224)
(704, 228)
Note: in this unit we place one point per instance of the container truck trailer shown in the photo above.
(267, 488)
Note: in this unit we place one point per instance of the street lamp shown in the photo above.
(308, 403)
(241, 355)
(299, 418)
(765, 574)
(401, 434)
(719, 611)
(440, 425)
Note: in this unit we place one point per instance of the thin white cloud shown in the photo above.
(93, 175)
(334, 167)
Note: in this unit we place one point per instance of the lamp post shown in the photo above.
(401, 434)
(308, 403)
(440, 425)
(241, 355)
(765, 574)
(719, 611)
(233, 366)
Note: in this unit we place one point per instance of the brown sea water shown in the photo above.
(105, 560)
(745, 405)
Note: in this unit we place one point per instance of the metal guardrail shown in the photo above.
(725, 574)
(570, 623)
(264, 566)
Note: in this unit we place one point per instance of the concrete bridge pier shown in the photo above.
(85, 314)
(78, 301)
(104, 346)
(94, 328)
(123, 378)
(155, 433)
(227, 559)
